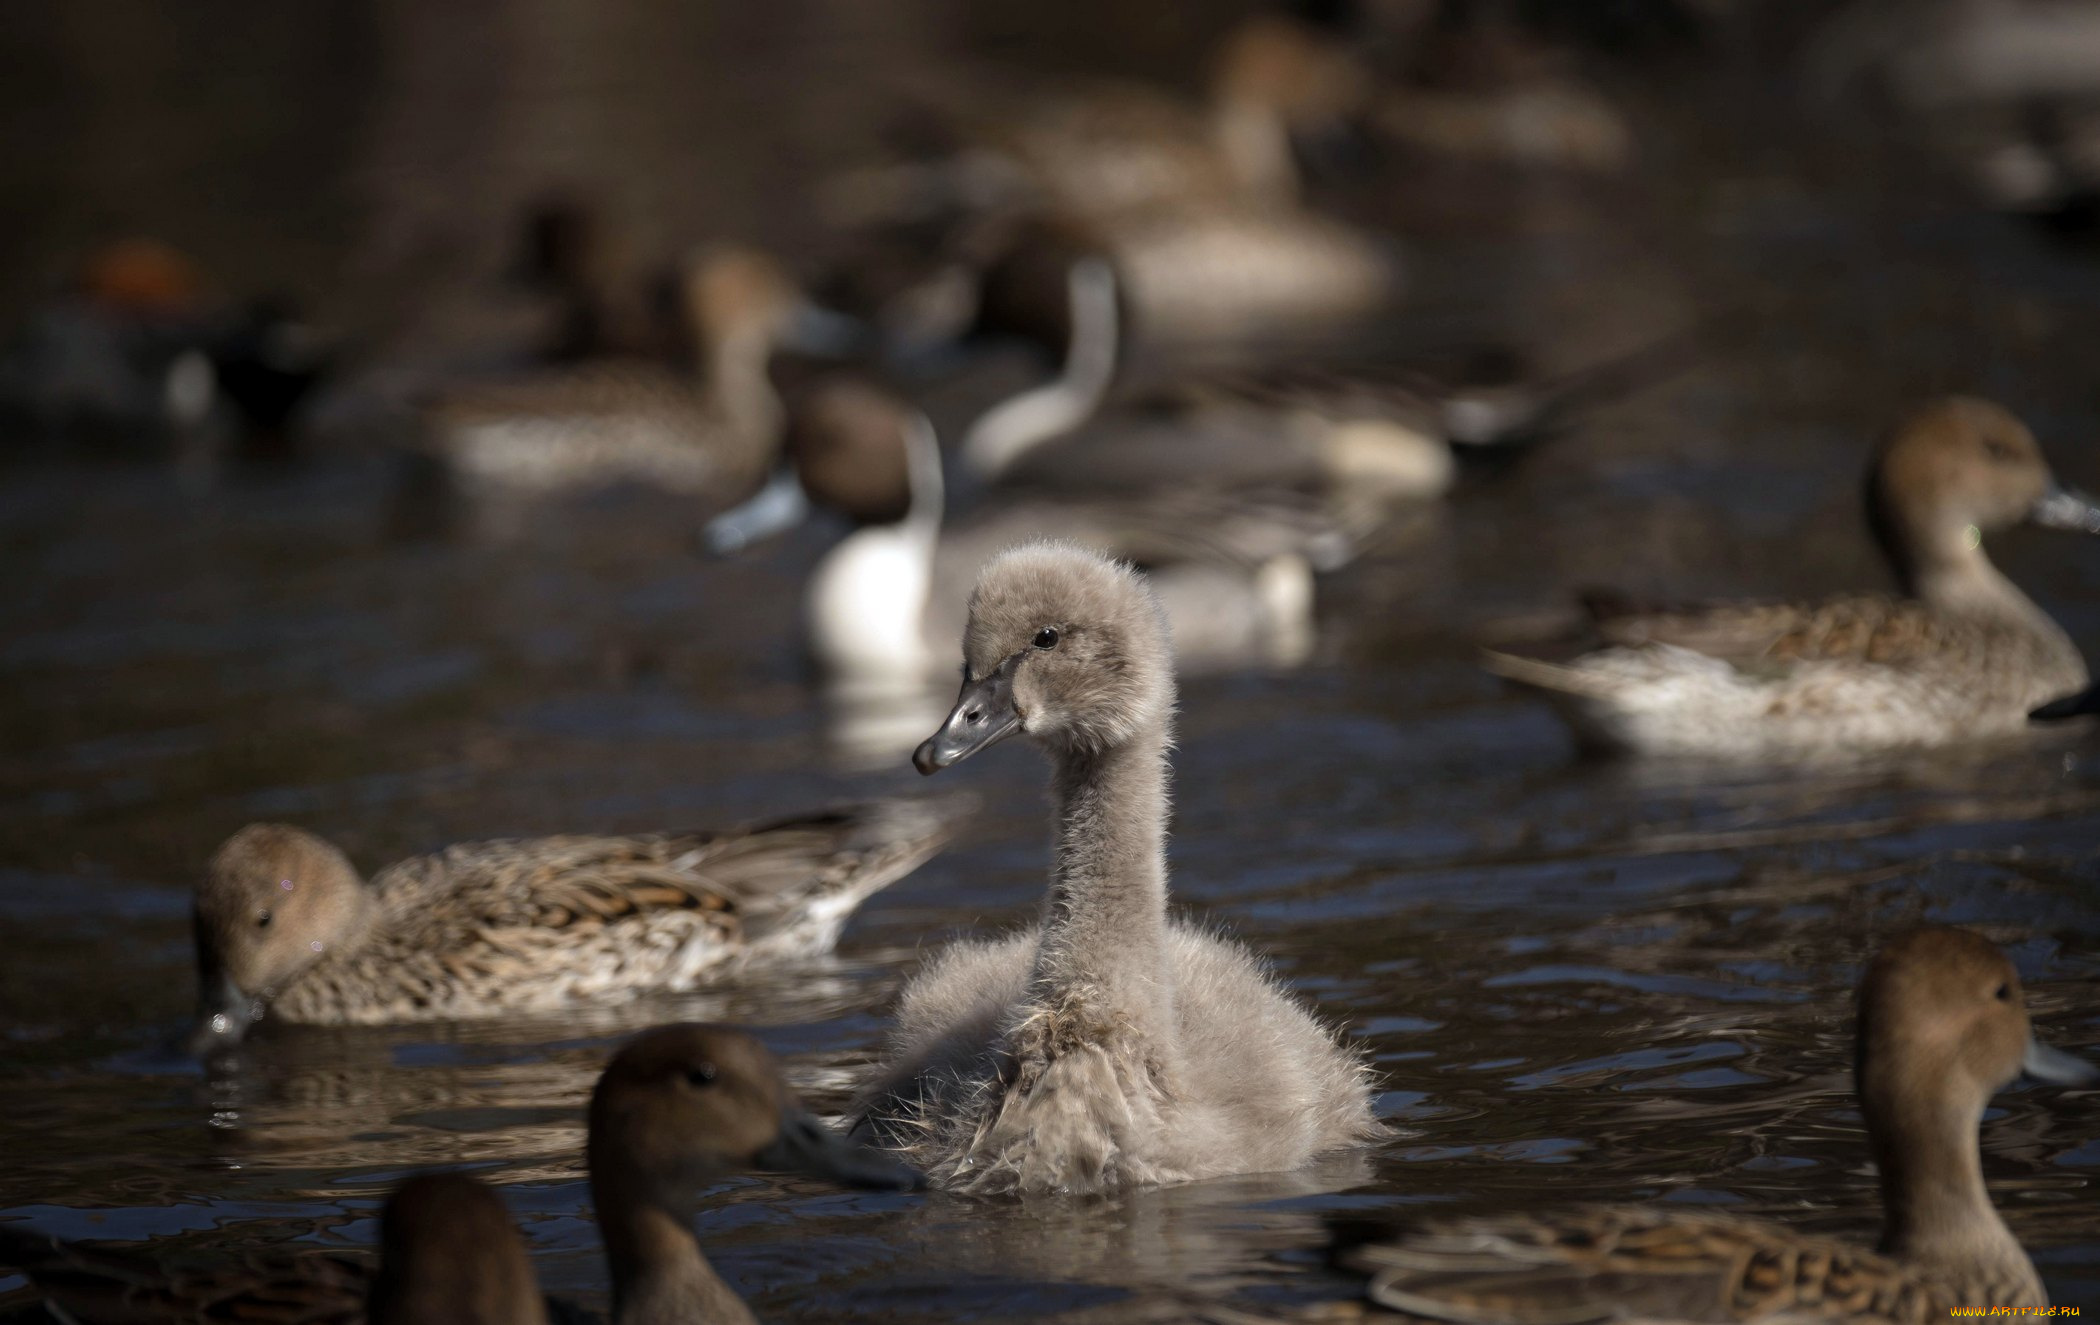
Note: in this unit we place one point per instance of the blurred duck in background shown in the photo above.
(286, 926)
(1234, 572)
(1942, 1028)
(1961, 655)
(677, 1110)
(139, 355)
(709, 431)
(1377, 430)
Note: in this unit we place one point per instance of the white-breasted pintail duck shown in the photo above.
(1108, 1046)
(1942, 1028)
(1961, 655)
(1235, 572)
(286, 926)
(1387, 430)
(678, 1108)
(709, 431)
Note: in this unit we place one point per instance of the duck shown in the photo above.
(1380, 428)
(1109, 1046)
(1236, 572)
(1942, 1027)
(285, 926)
(709, 431)
(1961, 654)
(678, 1108)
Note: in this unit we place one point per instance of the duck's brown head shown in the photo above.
(741, 296)
(686, 1105)
(1063, 644)
(1958, 469)
(449, 1255)
(1300, 72)
(273, 901)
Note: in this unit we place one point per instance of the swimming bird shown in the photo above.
(709, 431)
(285, 925)
(678, 1108)
(1108, 1046)
(1961, 655)
(1942, 1028)
(1235, 572)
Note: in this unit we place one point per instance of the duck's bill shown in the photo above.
(224, 1015)
(2086, 701)
(823, 333)
(2057, 1067)
(2066, 508)
(983, 716)
(808, 1147)
(776, 508)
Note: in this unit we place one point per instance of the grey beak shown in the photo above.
(2070, 706)
(2057, 1067)
(775, 508)
(224, 1015)
(2065, 508)
(809, 1147)
(822, 333)
(983, 716)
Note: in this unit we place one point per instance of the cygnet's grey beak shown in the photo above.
(2065, 508)
(825, 334)
(984, 715)
(807, 1146)
(224, 1015)
(775, 508)
(2070, 706)
(2057, 1067)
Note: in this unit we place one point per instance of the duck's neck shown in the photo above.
(1105, 919)
(1938, 1210)
(659, 1276)
(734, 366)
(1014, 427)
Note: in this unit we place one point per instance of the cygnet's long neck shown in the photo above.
(1937, 1209)
(1013, 428)
(659, 1275)
(1105, 920)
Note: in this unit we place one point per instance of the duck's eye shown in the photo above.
(2001, 451)
(262, 920)
(2004, 992)
(703, 1075)
(1046, 638)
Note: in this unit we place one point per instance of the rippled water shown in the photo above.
(1579, 981)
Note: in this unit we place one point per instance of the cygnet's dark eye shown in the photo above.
(1046, 638)
(2004, 992)
(262, 920)
(703, 1075)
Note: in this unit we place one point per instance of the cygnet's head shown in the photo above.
(1960, 468)
(1063, 644)
(1943, 1027)
(273, 901)
(684, 1106)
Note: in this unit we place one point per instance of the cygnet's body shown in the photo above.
(1942, 1028)
(1109, 1046)
(1963, 655)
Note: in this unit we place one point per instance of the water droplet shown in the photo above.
(315, 945)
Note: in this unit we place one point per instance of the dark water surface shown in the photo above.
(1579, 981)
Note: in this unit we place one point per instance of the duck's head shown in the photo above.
(1943, 1025)
(687, 1105)
(741, 296)
(1298, 71)
(1063, 644)
(1956, 470)
(449, 1255)
(848, 446)
(274, 900)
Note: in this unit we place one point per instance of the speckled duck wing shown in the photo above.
(1623, 1265)
(98, 1286)
(107, 1287)
(782, 888)
(1753, 635)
